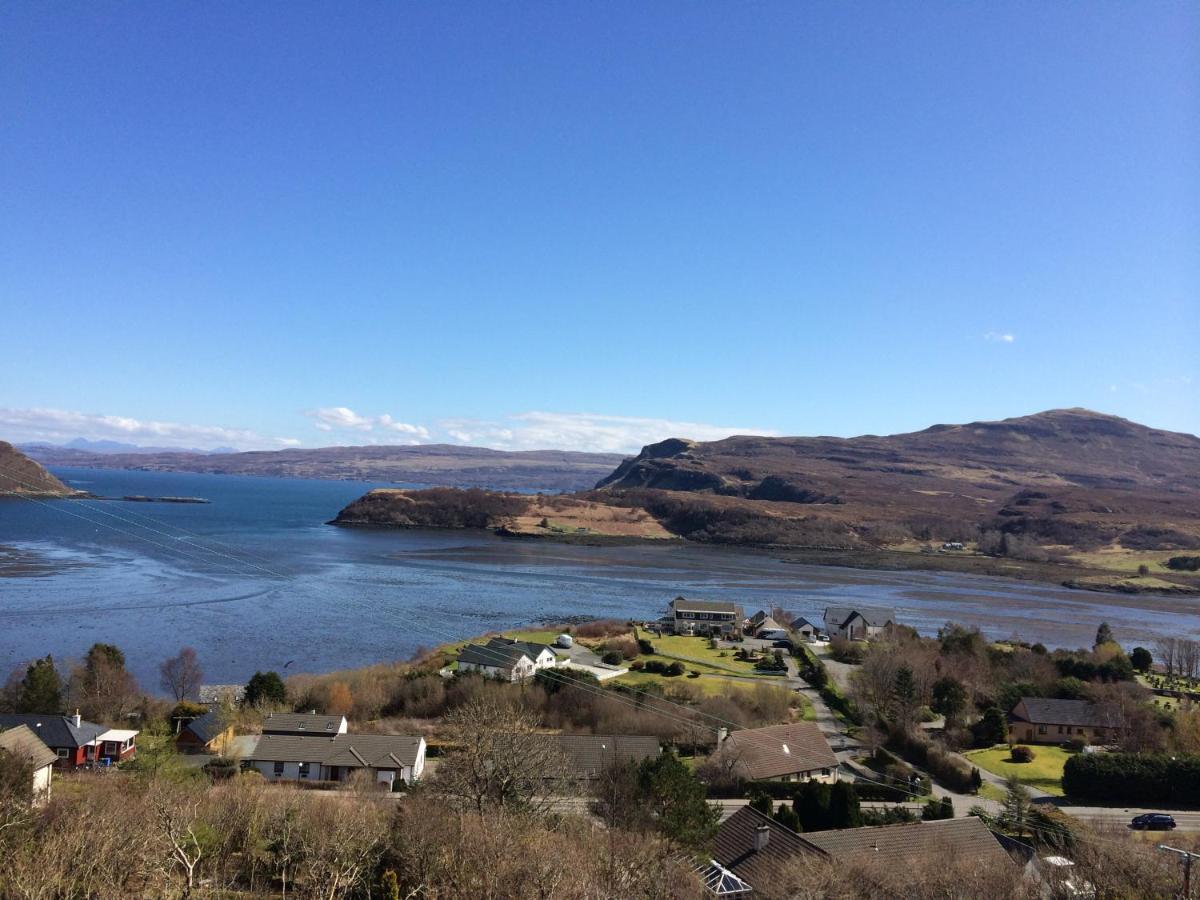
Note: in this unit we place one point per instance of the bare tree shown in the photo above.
(176, 811)
(1166, 650)
(501, 760)
(181, 674)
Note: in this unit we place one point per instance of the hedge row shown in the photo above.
(1135, 779)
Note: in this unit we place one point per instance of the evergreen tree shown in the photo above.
(904, 693)
(812, 806)
(41, 688)
(1017, 806)
(844, 811)
(787, 817)
(265, 687)
(1141, 659)
(1104, 634)
(949, 698)
(678, 802)
(762, 802)
(992, 729)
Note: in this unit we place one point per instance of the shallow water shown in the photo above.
(256, 580)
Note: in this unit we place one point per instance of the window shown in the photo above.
(1060, 730)
(1041, 729)
(62, 752)
(278, 769)
(304, 770)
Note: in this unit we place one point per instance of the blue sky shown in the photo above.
(593, 225)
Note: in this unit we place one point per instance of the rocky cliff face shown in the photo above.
(21, 475)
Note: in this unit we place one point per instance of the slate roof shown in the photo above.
(55, 730)
(208, 726)
(533, 651)
(799, 622)
(898, 845)
(22, 742)
(503, 658)
(301, 723)
(885, 845)
(874, 615)
(780, 749)
(734, 847)
(759, 616)
(589, 754)
(721, 606)
(378, 751)
(1079, 713)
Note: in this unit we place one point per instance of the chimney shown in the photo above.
(722, 733)
(762, 837)
(76, 718)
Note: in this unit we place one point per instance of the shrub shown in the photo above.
(637, 665)
(1184, 563)
(645, 647)
(674, 670)
(612, 658)
(693, 674)
(1022, 754)
(1133, 779)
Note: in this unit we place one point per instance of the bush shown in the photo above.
(693, 674)
(1133, 779)
(1022, 754)
(637, 665)
(1184, 563)
(645, 647)
(674, 670)
(1074, 746)
(947, 770)
(612, 658)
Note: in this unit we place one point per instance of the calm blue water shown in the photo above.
(256, 580)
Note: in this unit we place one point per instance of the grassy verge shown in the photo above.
(1044, 772)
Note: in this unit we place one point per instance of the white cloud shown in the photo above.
(58, 425)
(582, 431)
(1000, 337)
(342, 418)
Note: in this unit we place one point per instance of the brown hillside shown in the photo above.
(21, 475)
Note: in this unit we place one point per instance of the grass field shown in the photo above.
(695, 653)
(1044, 773)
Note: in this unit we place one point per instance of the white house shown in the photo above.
(292, 757)
(22, 743)
(542, 654)
(859, 623)
(705, 617)
(508, 664)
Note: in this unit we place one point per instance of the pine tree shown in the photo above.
(812, 806)
(265, 687)
(844, 811)
(787, 817)
(41, 688)
(904, 692)
(1017, 805)
(1104, 634)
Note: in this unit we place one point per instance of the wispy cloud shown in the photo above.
(342, 418)
(57, 425)
(1000, 337)
(582, 431)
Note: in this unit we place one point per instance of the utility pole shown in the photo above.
(1187, 857)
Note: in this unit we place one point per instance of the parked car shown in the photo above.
(1153, 822)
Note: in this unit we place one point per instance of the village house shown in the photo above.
(210, 733)
(1038, 720)
(588, 755)
(386, 758)
(763, 626)
(542, 655)
(794, 752)
(509, 663)
(74, 741)
(23, 744)
(705, 617)
(804, 628)
(859, 623)
(756, 849)
(302, 724)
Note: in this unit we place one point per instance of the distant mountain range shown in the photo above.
(434, 464)
(83, 444)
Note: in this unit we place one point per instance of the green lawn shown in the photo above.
(534, 637)
(989, 791)
(695, 651)
(1044, 773)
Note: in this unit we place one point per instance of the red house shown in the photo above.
(74, 741)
